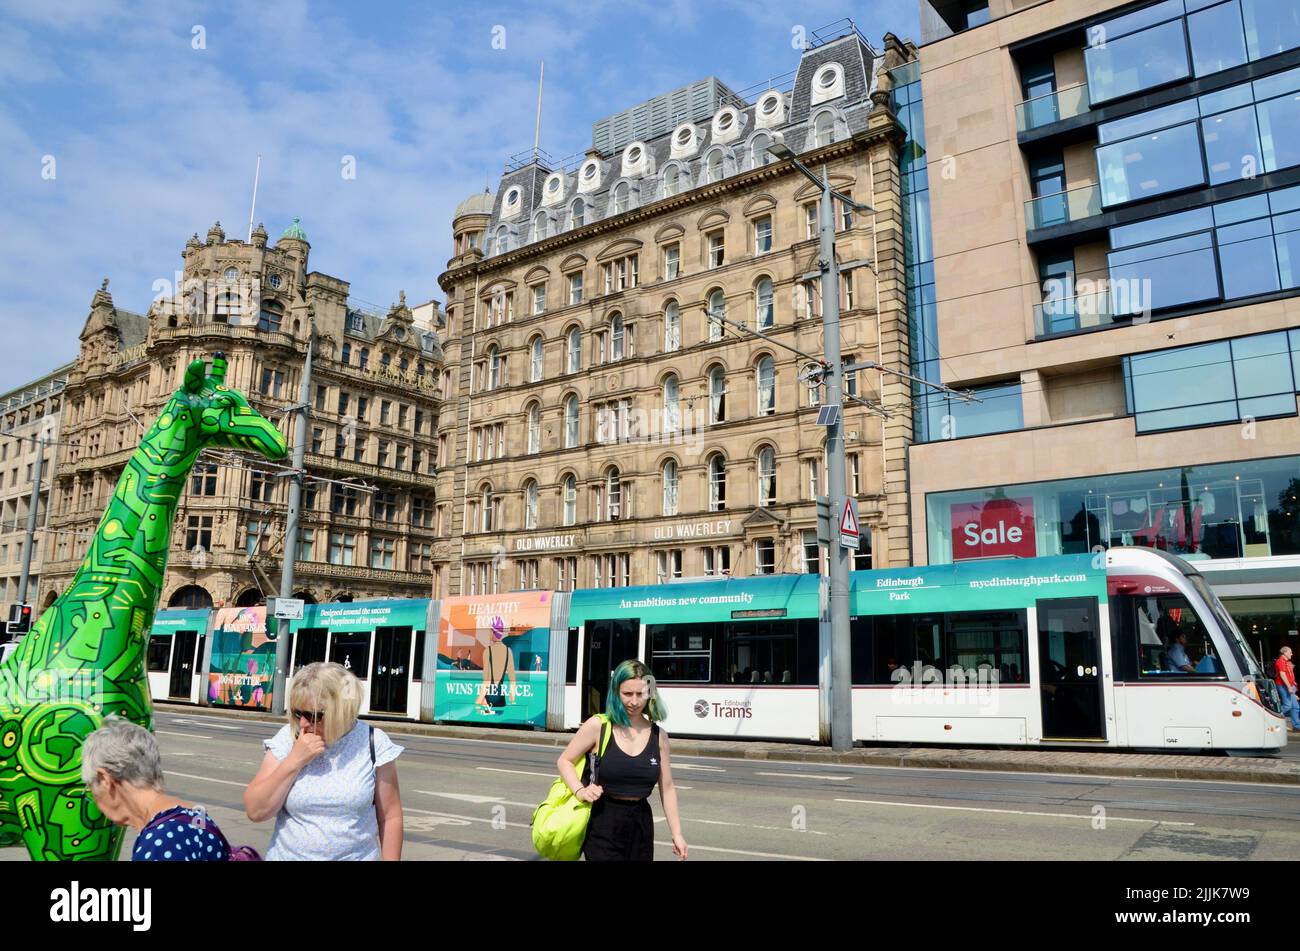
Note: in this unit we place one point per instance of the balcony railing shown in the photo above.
(1063, 207)
(1063, 314)
(1053, 107)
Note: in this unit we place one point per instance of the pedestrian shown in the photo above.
(329, 780)
(122, 768)
(1284, 677)
(621, 827)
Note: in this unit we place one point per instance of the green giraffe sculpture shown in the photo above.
(84, 658)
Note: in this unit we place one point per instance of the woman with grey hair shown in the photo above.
(121, 766)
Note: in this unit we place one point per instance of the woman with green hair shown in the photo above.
(621, 828)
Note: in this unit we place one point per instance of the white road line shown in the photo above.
(804, 776)
(517, 772)
(478, 800)
(206, 779)
(453, 815)
(195, 736)
(760, 855)
(1012, 812)
(711, 769)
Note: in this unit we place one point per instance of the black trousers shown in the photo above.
(620, 831)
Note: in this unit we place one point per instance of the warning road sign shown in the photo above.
(849, 530)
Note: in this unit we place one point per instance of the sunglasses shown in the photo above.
(309, 716)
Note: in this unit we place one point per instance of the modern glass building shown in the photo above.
(1113, 273)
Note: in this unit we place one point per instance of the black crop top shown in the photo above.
(630, 776)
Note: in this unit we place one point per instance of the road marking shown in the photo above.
(804, 776)
(711, 769)
(478, 800)
(760, 855)
(196, 736)
(452, 815)
(206, 779)
(517, 772)
(1012, 812)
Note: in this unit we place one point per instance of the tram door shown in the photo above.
(609, 643)
(1069, 669)
(182, 676)
(392, 670)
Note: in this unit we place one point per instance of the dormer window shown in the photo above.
(684, 137)
(579, 215)
(622, 198)
(769, 105)
(634, 154)
(715, 167)
(824, 130)
(539, 226)
(672, 181)
(589, 173)
(828, 83)
(724, 121)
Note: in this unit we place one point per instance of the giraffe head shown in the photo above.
(225, 419)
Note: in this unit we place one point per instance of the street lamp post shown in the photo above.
(840, 653)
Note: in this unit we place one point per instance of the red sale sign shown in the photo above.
(999, 528)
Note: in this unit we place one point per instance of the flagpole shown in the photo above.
(537, 132)
(253, 209)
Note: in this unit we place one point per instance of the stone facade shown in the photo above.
(367, 515)
(28, 413)
(585, 376)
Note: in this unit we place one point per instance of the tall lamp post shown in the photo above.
(840, 654)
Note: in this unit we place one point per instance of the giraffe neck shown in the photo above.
(127, 558)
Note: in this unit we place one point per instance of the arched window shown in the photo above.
(403, 364)
(714, 168)
(346, 355)
(364, 360)
(613, 495)
(766, 376)
(717, 483)
(672, 411)
(570, 500)
(534, 427)
(385, 360)
(759, 153)
(535, 361)
(717, 312)
(767, 476)
(616, 337)
(824, 130)
(672, 327)
(271, 316)
(502, 240)
(575, 350)
(488, 503)
(670, 481)
(622, 198)
(530, 504)
(717, 395)
(578, 213)
(672, 181)
(570, 421)
(191, 596)
(494, 367)
(765, 309)
(539, 226)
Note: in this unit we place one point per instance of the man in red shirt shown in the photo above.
(1286, 686)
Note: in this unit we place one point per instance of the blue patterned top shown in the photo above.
(179, 834)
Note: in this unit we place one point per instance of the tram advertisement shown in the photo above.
(243, 659)
(493, 655)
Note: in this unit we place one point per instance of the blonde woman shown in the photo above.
(329, 780)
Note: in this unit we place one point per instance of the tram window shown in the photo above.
(681, 654)
(769, 652)
(160, 652)
(989, 646)
(1172, 641)
(860, 649)
(908, 648)
(309, 646)
(417, 672)
(571, 659)
(352, 650)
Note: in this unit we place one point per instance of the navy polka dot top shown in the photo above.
(180, 835)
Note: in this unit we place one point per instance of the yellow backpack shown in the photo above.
(560, 822)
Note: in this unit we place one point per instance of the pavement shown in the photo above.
(1283, 768)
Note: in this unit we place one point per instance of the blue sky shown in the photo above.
(153, 139)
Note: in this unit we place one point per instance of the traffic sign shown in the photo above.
(849, 529)
(288, 609)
